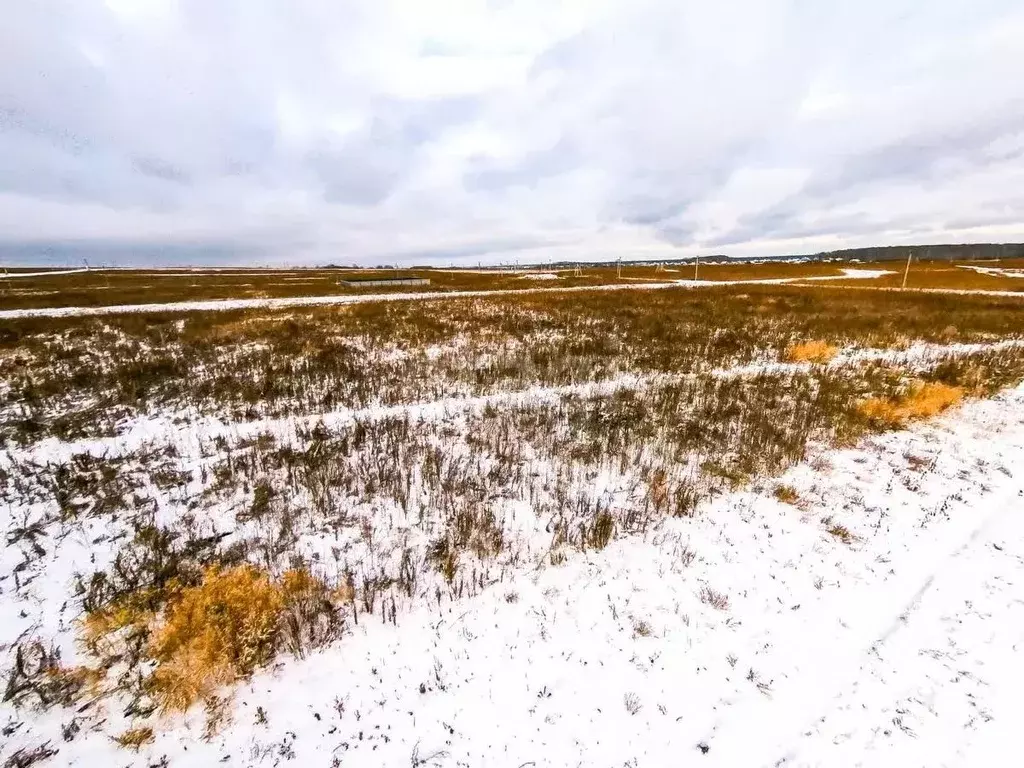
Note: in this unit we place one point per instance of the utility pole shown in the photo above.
(618, 269)
(696, 263)
(906, 271)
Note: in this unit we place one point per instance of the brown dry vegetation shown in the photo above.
(811, 352)
(943, 275)
(137, 286)
(922, 400)
(80, 376)
(229, 551)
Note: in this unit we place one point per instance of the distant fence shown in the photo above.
(375, 283)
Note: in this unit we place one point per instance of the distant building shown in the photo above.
(378, 282)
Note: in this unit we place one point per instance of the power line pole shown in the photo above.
(906, 271)
(696, 263)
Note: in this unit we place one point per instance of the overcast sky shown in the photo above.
(307, 131)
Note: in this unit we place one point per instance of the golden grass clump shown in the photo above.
(814, 351)
(223, 625)
(214, 632)
(922, 401)
(135, 738)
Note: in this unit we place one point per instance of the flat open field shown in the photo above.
(528, 527)
(27, 289)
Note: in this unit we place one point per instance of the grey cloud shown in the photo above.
(223, 118)
(159, 169)
(115, 253)
(910, 159)
(920, 157)
(472, 250)
(486, 174)
(365, 168)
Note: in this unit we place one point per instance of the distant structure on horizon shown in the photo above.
(377, 282)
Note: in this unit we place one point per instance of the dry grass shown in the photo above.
(135, 738)
(840, 531)
(923, 400)
(204, 636)
(78, 377)
(100, 288)
(222, 629)
(416, 509)
(815, 351)
(943, 274)
(787, 494)
(717, 600)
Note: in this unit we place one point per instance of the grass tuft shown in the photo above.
(222, 629)
(841, 532)
(787, 494)
(135, 738)
(716, 600)
(922, 401)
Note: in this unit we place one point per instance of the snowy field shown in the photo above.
(781, 527)
(309, 301)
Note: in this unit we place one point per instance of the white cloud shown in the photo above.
(499, 129)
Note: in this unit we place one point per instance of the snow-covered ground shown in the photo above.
(188, 431)
(7, 275)
(994, 271)
(752, 634)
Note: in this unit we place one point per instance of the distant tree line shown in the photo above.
(950, 252)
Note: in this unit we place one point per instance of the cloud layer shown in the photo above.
(487, 130)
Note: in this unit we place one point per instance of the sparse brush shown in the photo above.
(600, 531)
(36, 675)
(632, 703)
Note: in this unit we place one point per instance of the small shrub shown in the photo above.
(841, 532)
(135, 738)
(601, 531)
(787, 494)
(27, 757)
(642, 628)
(37, 672)
(811, 352)
(922, 401)
(632, 703)
(716, 600)
(309, 618)
(445, 557)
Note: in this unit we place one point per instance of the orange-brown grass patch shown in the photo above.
(813, 351)
(921, 401)
(221, 629)
(135, 738)
(208, 635)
